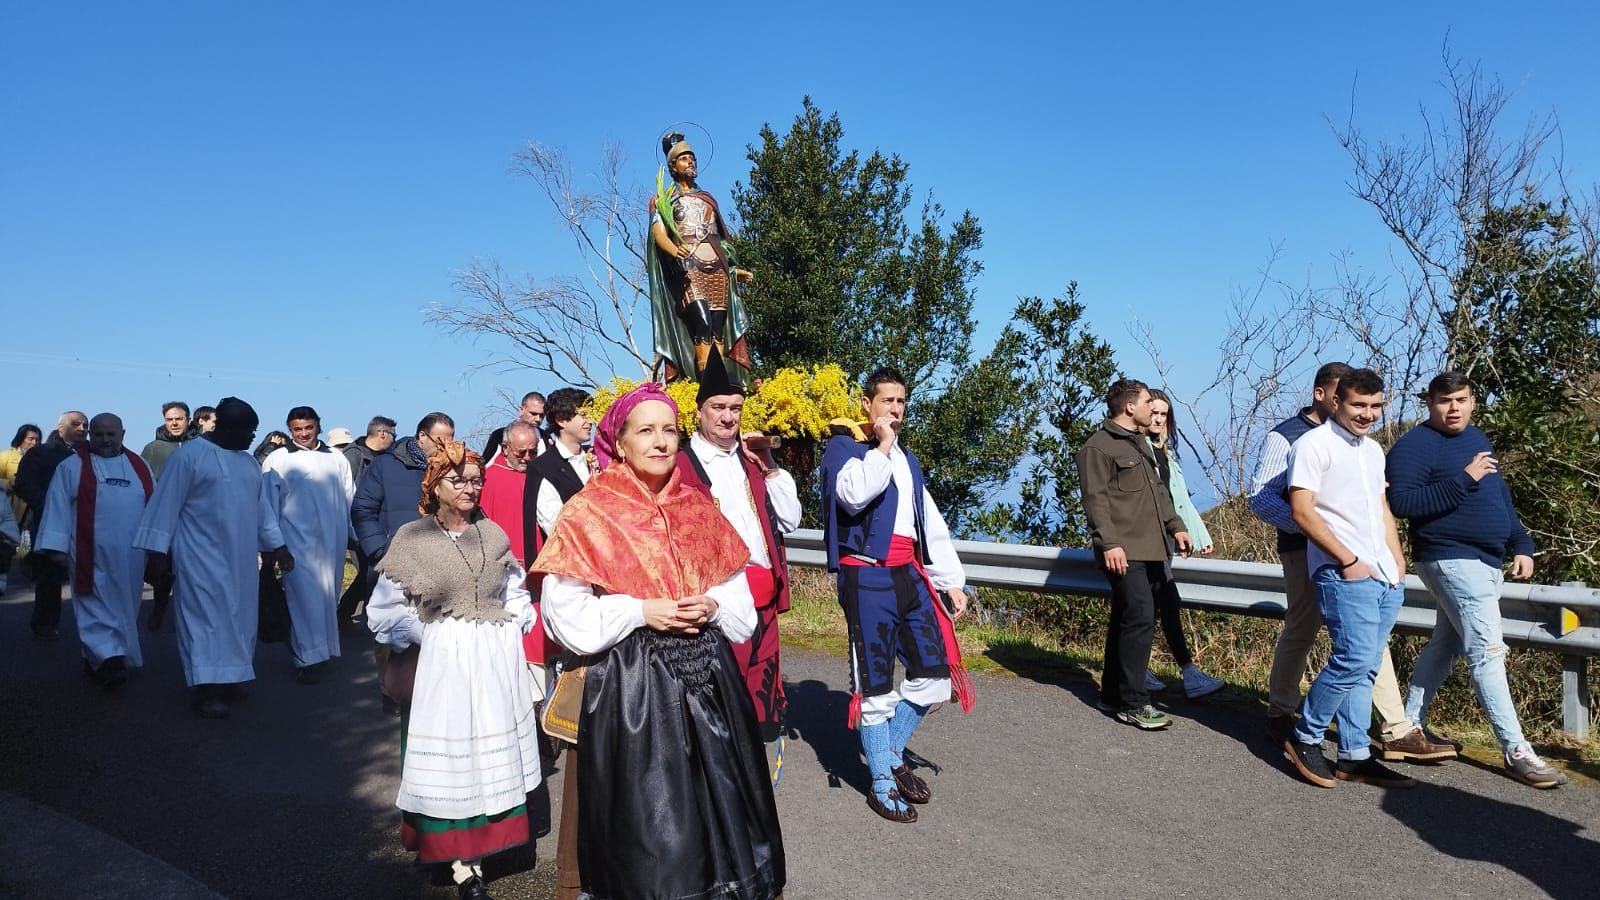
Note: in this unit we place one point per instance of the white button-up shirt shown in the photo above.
(731, 489)
(1345, 471)
(548, 504)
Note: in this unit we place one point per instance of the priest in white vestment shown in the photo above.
(208, 519)
(309, 488)
(92, 509)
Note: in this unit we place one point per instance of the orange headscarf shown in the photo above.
(441, 462)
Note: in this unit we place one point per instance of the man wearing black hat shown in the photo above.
(762, 503)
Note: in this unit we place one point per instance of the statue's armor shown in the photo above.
(706, 271)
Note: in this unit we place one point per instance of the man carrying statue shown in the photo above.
(694, 302)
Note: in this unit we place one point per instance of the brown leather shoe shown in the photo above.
(910, 815)
(912, 788)
(1414, 747)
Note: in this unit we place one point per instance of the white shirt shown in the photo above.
(1345, 471)
(548, 504)
(860, 481)
(587, 623)
(730, 488)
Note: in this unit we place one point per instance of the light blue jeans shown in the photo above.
(1468, 596)
(1359, 616)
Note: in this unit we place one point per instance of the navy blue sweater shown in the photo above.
(1452, 516)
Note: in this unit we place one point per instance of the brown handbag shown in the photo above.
(561, 710)
(397, 673)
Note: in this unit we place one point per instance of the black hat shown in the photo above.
(714, 380)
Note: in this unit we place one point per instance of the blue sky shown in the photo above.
(200, 199)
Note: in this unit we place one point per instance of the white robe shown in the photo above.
(310, 491)
(108, 617)
(209, 511)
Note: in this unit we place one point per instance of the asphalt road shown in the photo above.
(1038, 795)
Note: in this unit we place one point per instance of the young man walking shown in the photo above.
(1444, 479)
(1130, 516)
(1399, 738)
(1336, 493)
(897, 568)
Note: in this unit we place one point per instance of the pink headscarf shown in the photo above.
(610, 428)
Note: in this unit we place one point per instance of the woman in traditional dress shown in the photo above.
(644, 578)
(451, 588)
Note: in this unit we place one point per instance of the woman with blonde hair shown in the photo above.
(1163, 434)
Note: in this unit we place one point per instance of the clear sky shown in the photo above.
(202, 198)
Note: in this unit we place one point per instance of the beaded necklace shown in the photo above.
(483, 558)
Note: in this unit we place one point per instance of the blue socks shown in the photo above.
(907, 716)
(875, 741)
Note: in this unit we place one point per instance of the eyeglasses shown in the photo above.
(387, 433)
(460, 483)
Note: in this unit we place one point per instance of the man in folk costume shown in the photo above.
(92, 509)
(309, 487)
(762, 503)
(694, 303)
(894, 557)
(208, 519)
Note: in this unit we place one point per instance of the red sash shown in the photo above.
(88, 487)
(903, 552)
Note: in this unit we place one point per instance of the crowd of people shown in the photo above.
(611, 589)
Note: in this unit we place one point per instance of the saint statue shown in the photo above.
(693, 300)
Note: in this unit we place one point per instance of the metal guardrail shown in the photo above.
(1530, 613)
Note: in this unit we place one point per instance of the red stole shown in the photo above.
(903, 552)
(689, 471)
(88, 487)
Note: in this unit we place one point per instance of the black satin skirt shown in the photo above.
(675, 798)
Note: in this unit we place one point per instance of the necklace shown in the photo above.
(483, 558)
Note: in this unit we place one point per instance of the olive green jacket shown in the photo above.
(1123, 497)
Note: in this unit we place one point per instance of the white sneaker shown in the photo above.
(1525, 766)
(1152, 683)
(1198, 684)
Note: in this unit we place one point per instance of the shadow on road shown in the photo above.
(1542, 848)
(817, 718)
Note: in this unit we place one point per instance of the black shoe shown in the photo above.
(309, 674)
(210, 708)
(473, 889)
(113, 673)
(390, 706)
(1370, 771)
(45, 632)
(1308, 760)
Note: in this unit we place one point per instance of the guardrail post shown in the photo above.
(1575, 690)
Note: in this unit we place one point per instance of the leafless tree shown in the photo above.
(575, 327)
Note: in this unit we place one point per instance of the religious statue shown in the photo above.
(693, 300)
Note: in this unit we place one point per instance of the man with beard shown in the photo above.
(208, 519)
(33, 480)
(762, 503)
(92, 510)
(308, 486)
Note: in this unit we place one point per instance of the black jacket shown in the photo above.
(33, 476)
(549, 466)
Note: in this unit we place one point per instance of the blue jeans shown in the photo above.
(1359, 616)
(1468, 595)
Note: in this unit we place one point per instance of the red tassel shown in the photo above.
(853, 718)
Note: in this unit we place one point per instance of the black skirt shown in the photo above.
(675, 798)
